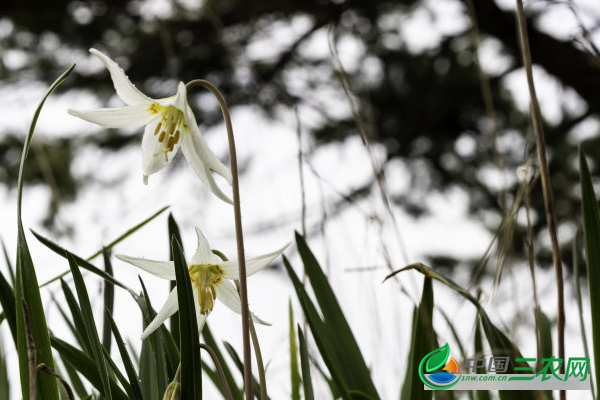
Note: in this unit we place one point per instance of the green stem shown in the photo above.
(238, 233)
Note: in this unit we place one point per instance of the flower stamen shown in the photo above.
(206, 277)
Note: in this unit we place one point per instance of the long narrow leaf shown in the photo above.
(78, 321)
(74, 379)
(173, 232)
(591, 229)
(4, 385)
(191, 369)
(26, 284)
(306, 379)
(7, 301)
(90, 325)
(129, 368)
(109, 300)
(236, 391)
(294, 373)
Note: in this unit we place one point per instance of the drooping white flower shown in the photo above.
(211, 280)
(169, 122)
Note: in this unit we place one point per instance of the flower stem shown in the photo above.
(238, 233)
(219, 368)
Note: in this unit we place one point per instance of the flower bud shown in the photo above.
(173, 391)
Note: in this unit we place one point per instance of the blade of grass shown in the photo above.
(191, 372)
(173, 232)
(7, 301)
(87, 367)
(240, 365)
(109, 300)
(26, 284)
(294, 372)
(80, 332)
(305, 365)
(591, 229)
(577, 286)
(74, 379)
(9, 264)
(90, 326)
(481, 394)
(111, 244)
(129, 368)
(148, 372)
(4, 384)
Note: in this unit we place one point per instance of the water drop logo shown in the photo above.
(434, 361)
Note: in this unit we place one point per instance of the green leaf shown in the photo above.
(109, 300)
(423, 342)
(306, 380)
(108, 246)
(481, 394)
(90, 326)
(4, 386)
(129, 368)
(236, 391)
(7, 301)
(323, 338)
(148, 372)
(74, 379)
(87, 367)
(591, 229)
(294, 373)
(79, 330)
(9, 264)
(191, 369)
(26, 285)
(354, 369)
(240, 365)
(173, 232)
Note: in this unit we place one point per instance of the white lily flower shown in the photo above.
(169, 122)
(211, 278)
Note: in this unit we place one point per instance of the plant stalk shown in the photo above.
(238, 233)
(546, 184)
(219, 368)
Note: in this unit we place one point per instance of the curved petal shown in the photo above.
(178, 101)
(125, 89)
(168, 309)
(204, 254)
(202, 171)
(201, 319)
(153, 157)
(124, 117)
(162, 269)
(228, 295)
(253, 265)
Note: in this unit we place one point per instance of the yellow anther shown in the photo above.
(162, 136)
(172, 128)
(157, 128)
(154, 108)
(177, 136)
(170, 143)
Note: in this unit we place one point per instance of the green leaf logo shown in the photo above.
(437, 358)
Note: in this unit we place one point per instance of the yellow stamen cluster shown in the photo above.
(205, 277)
(168, 129)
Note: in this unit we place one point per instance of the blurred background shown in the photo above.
(389, 132)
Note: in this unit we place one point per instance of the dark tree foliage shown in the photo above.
(419, 105)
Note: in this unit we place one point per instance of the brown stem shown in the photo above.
(219, 368)
(45, 368)
(31, 352)
(546, 184)
(238, 232)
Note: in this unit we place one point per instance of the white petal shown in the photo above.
(253, 265)
(201, 320)
(124, 117)
(204, 254)
(168, 309)
(228, 295)
(153, 157)
(125, 89)
(178, 101)
(162, 269)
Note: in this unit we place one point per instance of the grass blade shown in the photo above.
(306, 379)
(90, 326)
(7, 301)
(26, 284)
(591, 229)
(78, 322)
(173, 232)
(129, 368)
(240, 365)
(9, 264)
(191, 372)
(355, 370)
(4, 386)
(236, 391)
(109, 301)
(294, 373)
(74, 379)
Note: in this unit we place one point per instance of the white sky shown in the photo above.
(270, 192)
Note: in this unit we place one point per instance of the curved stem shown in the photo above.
(219, 368)
(238, 233)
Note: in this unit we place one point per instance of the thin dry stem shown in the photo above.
(45, 368)
(31, 351)
(238, 232)
(546, 184)
(219, 368)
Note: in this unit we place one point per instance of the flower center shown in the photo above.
(205, 277)
(168, 129)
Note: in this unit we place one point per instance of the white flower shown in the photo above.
(169, 122)
(211, 278)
